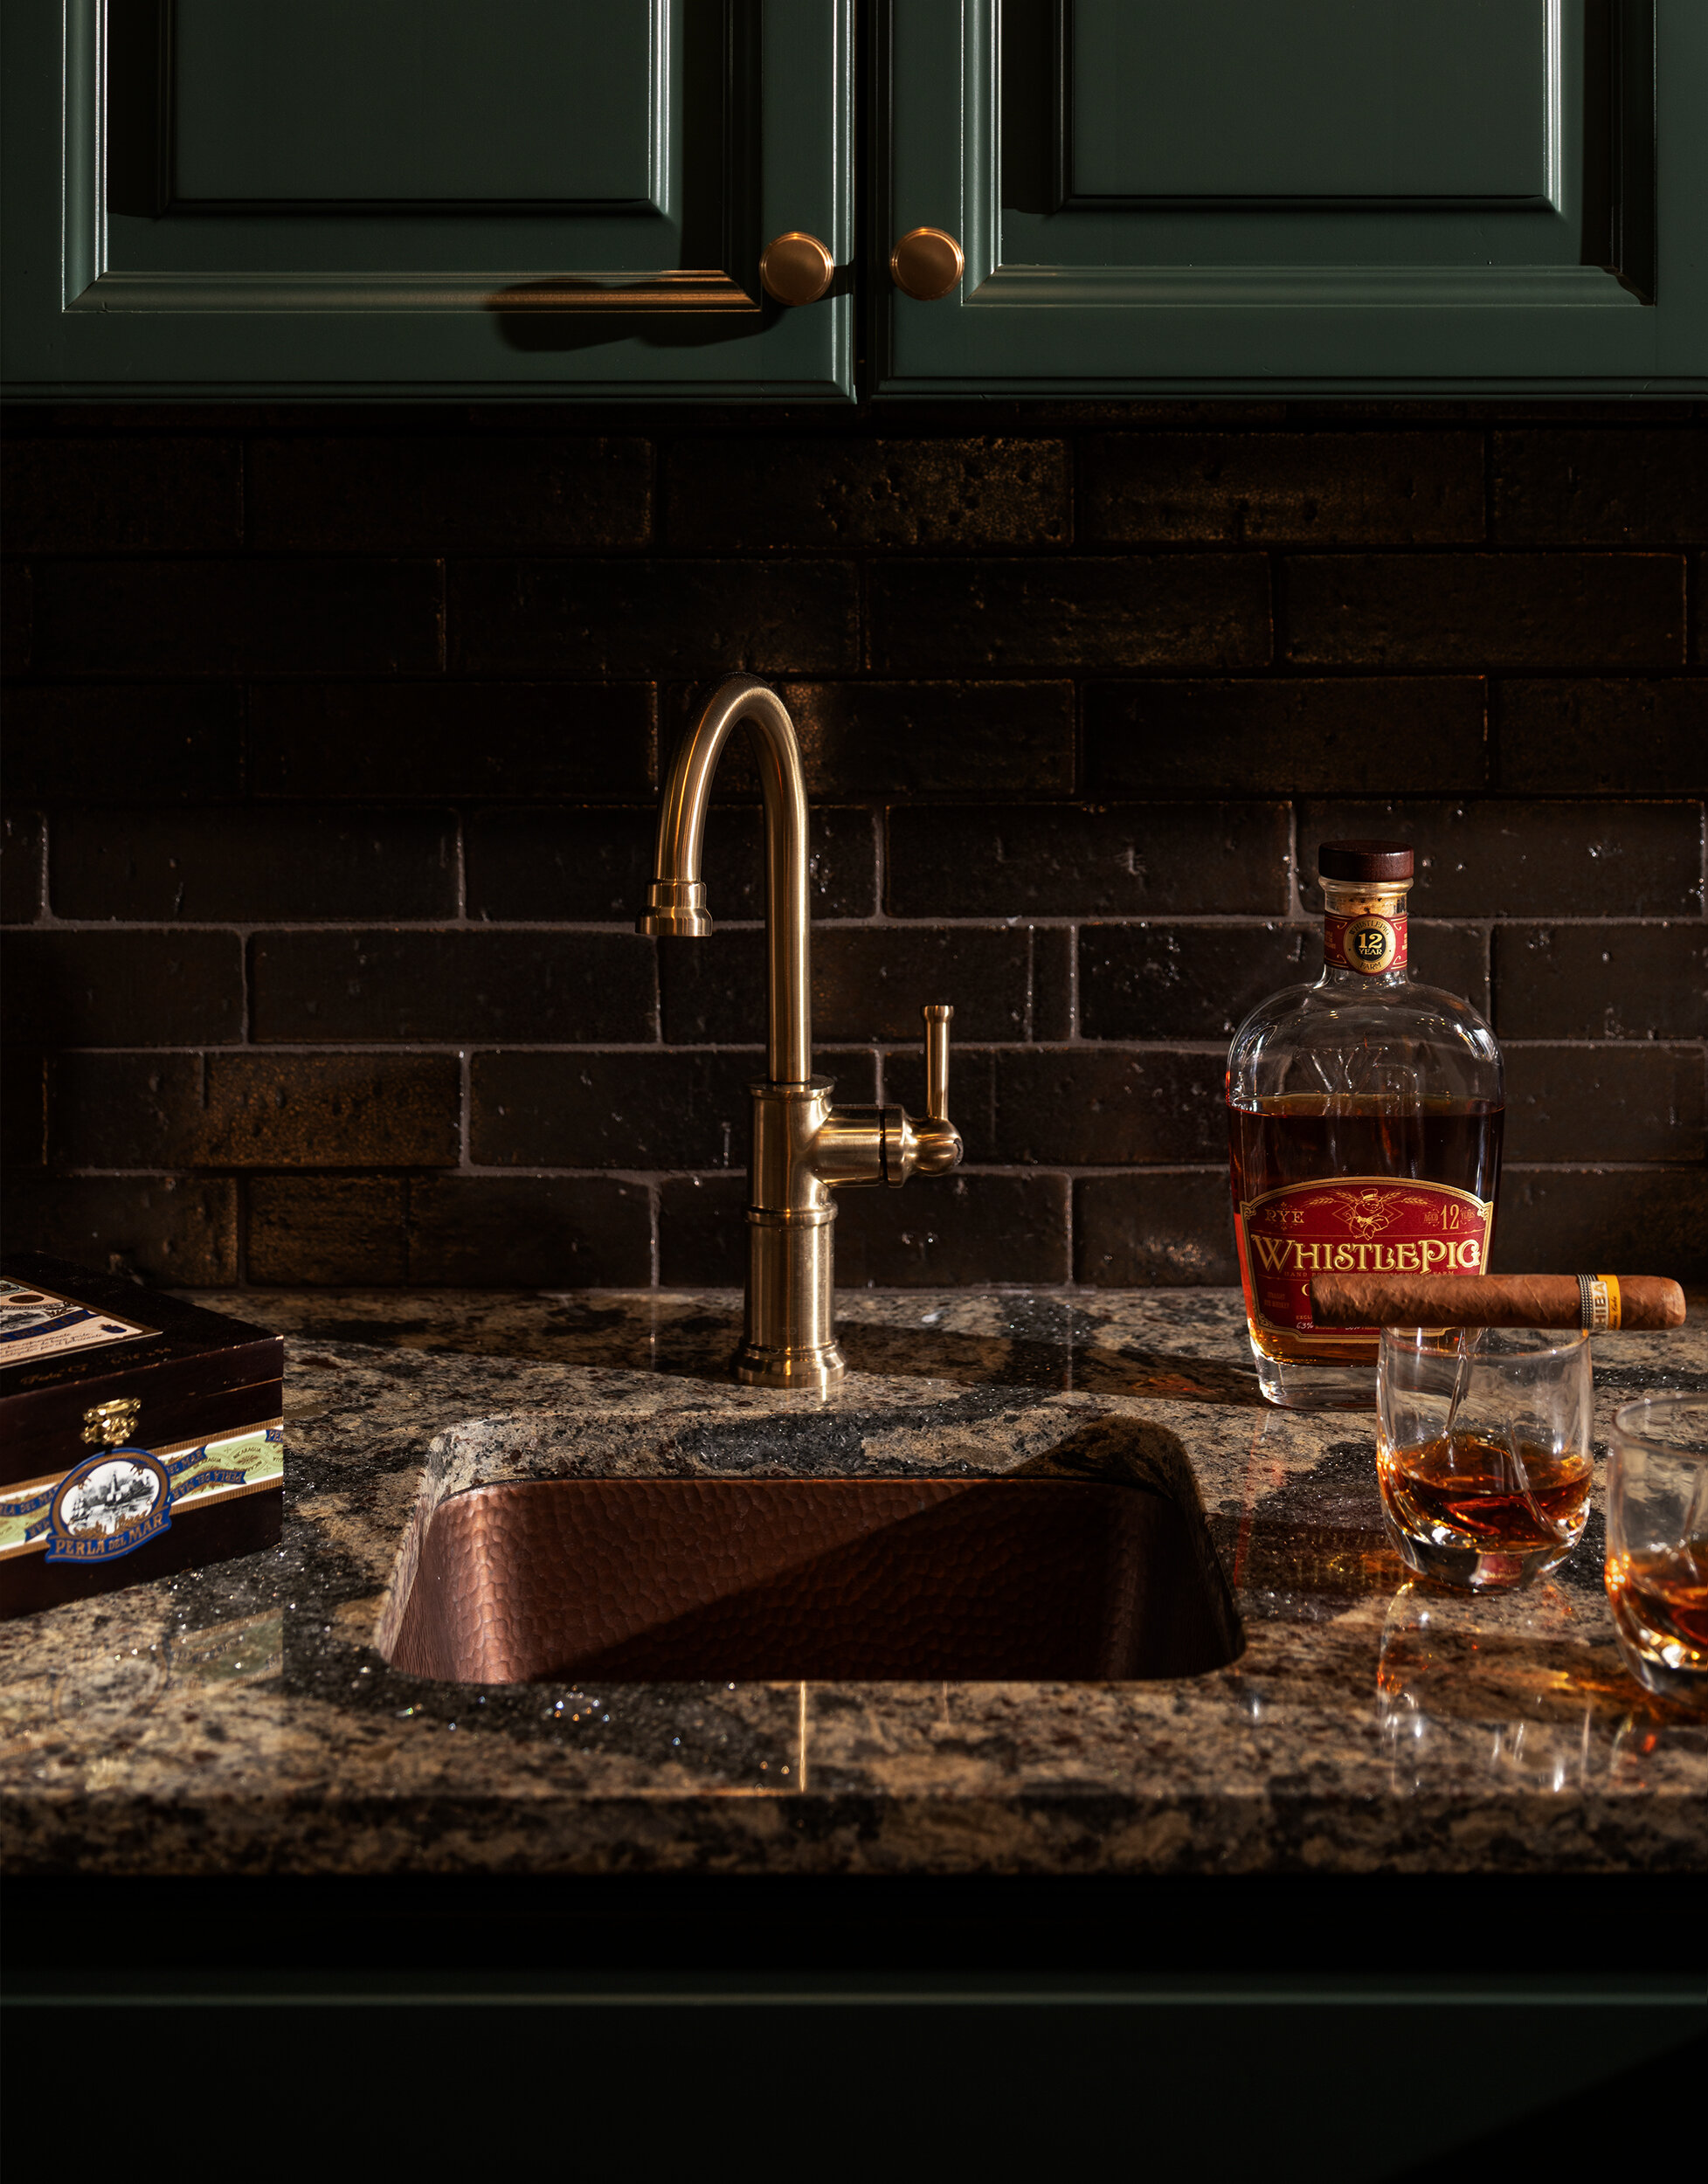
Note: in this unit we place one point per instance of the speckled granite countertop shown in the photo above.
(241, 1720)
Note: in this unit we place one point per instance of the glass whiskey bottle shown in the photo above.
(1363, 1128)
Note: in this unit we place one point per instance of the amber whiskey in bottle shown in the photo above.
(1364, 1127)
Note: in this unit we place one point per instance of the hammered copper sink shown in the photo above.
(675, 1581)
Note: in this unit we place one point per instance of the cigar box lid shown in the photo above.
(72, 1341)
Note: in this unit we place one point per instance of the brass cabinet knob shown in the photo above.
(926, 264)
(796, 268)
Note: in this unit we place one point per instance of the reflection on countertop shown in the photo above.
(243, 1718)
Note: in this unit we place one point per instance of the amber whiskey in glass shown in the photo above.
(1364, 1127)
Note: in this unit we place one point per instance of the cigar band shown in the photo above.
(1598, 1296)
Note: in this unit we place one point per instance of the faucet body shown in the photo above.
(803, 1148)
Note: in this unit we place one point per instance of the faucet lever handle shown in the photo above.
(937, 1015)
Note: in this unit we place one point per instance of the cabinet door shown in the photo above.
(1327, 196)
(430, 197)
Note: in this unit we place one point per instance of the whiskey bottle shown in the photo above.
(1364, 1129)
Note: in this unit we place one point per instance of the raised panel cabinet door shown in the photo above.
(430, 198)
(1334, 196)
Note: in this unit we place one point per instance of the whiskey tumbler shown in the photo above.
(1483, 1450)
(1658, 1543)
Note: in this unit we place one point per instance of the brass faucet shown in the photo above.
(802, 1146)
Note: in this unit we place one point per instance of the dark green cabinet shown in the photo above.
(430, 197)
(1332, 195)
(569, 199)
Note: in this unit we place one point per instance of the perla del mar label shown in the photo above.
(1355, 1223)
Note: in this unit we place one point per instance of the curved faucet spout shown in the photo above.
(677, 903)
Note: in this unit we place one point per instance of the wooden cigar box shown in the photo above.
(139, 1435)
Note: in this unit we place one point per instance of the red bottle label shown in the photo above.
(1366, 942)
(1355, 1223)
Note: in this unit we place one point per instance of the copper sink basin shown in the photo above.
(680, 1580)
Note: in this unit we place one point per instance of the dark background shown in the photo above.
(332, 745)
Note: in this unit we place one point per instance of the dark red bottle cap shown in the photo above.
(1364, 860)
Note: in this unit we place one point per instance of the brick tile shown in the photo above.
(1054, 1011)
(241, 864)
(1133, 611)
(1624, 739)
(1480, 610)
(1372, 735)
(440, 739)
(256, 1110)
(1202, 981)
(415, 493)
(1123, 859)
(160, 989)
(702, 1232)
(959, 740)
(677, 618)
(1176, 1230)
(628, 1110)
(844, 495)
(104, 742)
(544, 1232)
(552, 988)
(1260, 489)
(328, 1230)
(542, 863)
(1601, 981)
(946, 1230)
(1615, 487)
(237, 617)
(1605, 1103)
(169, 1229)
(17, 618)
(124, 496)
(1571, 1221)
(23, 853)
(868, 983)
(1526, 857)
(1078, 1107)
(23, 1105)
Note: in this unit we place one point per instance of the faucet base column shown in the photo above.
(790, 1340)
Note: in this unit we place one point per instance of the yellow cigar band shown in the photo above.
(1600, 1295)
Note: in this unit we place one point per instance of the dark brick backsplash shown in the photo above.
(472, 984)
(539, 862)
(144, 493)
(249, 863)
(100, 743)
(256, 1110)
(1132, 611)
(332, 746)
(1588, 488)
(1282, 488)
(1601, 981)
(1377, 735)
(1603, 738)
(238, 617)
(22, 860)
(168, 988)
(1481, 611)
(677, 618)
(1105, 861)
(845, 496)
(451, 740)
(459, 493)
(1516, 856)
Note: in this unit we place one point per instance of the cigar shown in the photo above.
(1600, 1302)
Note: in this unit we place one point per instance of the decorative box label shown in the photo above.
(111, 1503)
(37, 1322)
(1355, 1225)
